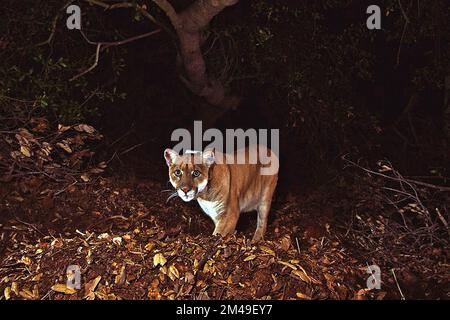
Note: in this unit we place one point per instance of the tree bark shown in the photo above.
(188, 25)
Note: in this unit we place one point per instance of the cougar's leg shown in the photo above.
(227, 222)
(263, 210)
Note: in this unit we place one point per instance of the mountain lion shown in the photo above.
(223, 187)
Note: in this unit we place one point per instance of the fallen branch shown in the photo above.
(398, 286)
(420, 183)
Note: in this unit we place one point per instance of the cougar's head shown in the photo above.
(188, 173)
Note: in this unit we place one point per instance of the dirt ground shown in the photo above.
(130, 244)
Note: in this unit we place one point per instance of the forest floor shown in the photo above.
(130, 244)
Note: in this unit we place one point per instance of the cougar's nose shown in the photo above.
(185, 189)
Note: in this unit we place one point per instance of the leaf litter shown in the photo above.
(130, 244)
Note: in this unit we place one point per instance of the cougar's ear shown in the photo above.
(208, 157)
(171, 156)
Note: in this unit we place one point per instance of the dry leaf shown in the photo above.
(285, 243)
(208, 267)
(159, 259)
(25, 260)
(303, 296)
(250, 257)
(84, 127)
(302, 275)
(36, 291)
(203, 295)
(361, 294)
(189, 277)
(267, 250)
(25, 151)
(154, 294)
(381, 295)
(117, 240)
(89, 257)
(101, 295)
(27, 294)
(196, 264)
(103, 236)
(64, 146)
(62, 288)
(89, 288)
(57, 243)
(37, 277)
(15, 288)
(173, 273)
(62, 128)
(39, 124)
(90, 296)
(7, 293)
(121, 277)
(287, 264)
(149, 246)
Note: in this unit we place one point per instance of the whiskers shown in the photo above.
(173, 195)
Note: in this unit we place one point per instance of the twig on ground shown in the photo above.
(298, 246)
(64, 189)
(29, 225)
(424, 184)
(398, 286)
(444, 222)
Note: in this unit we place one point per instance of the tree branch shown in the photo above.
(104, 45)
(170, 12)
(141, 9)
(54, 23)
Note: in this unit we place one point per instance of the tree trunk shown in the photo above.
(188, 25)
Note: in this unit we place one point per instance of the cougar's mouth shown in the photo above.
(186, 196)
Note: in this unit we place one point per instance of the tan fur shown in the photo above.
(232, 188)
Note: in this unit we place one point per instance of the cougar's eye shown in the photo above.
(196, 173)
(177, 173)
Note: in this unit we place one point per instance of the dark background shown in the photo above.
(310, 68)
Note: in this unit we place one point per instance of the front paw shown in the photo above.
(258, 236)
